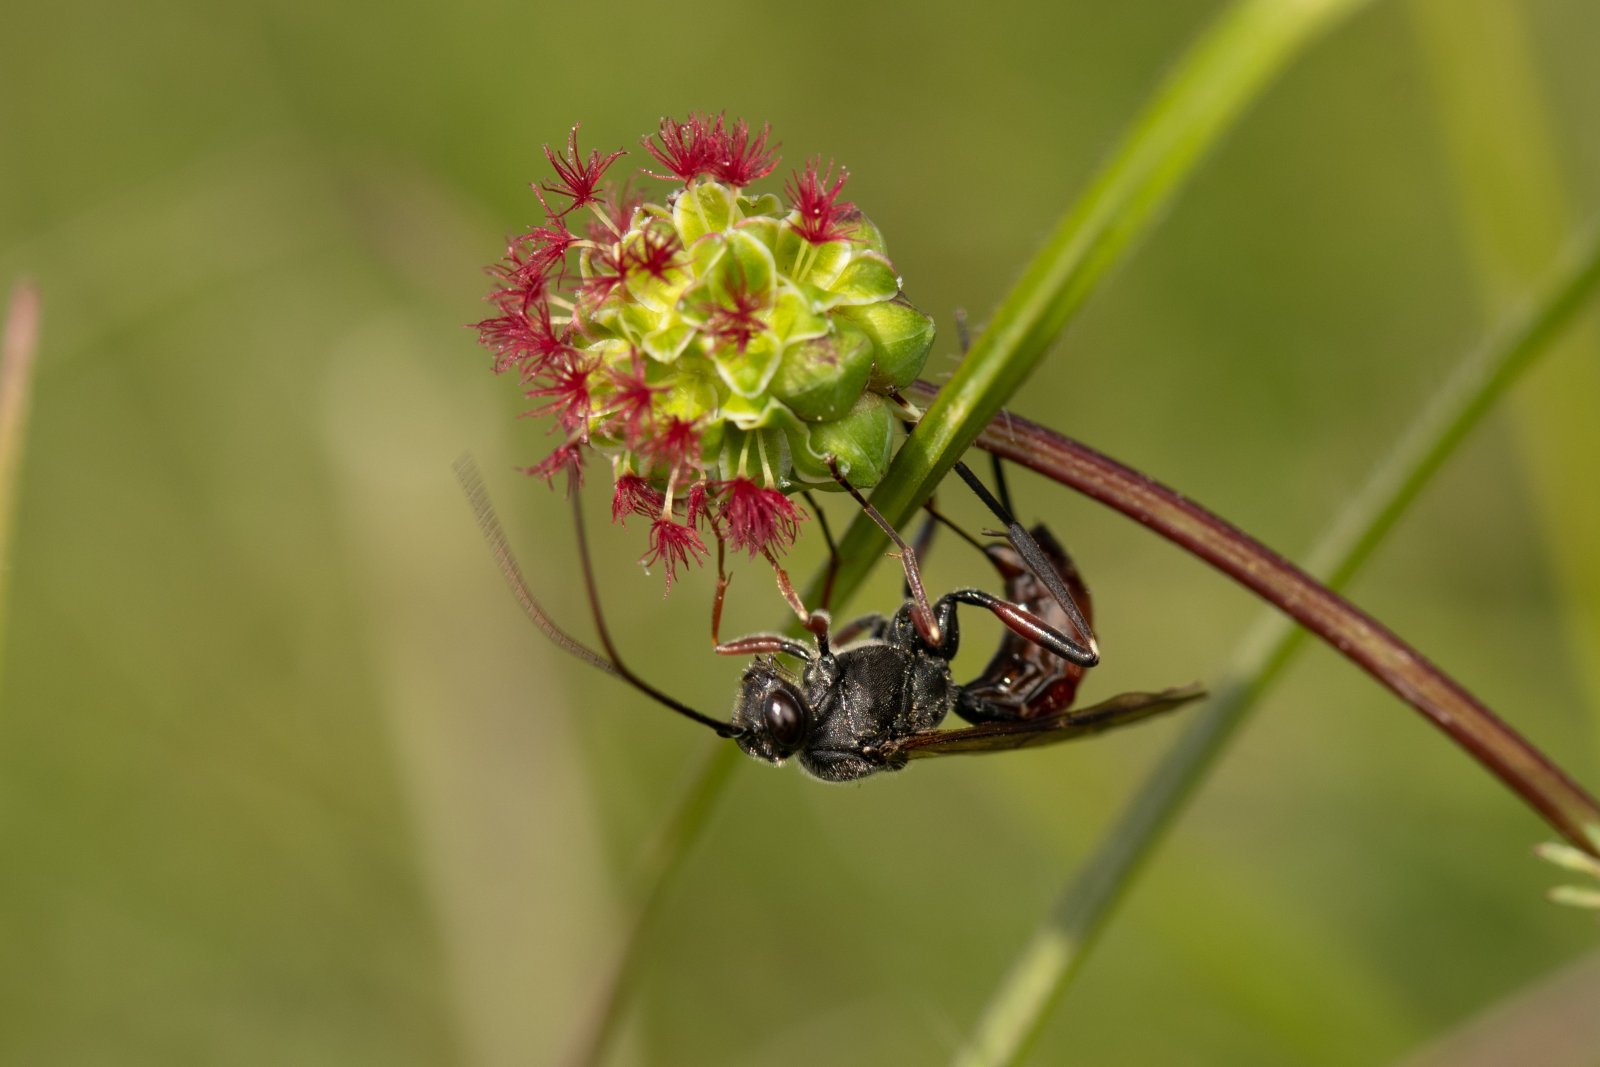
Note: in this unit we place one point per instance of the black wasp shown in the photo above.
(876, 701)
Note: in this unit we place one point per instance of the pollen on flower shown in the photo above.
(699, 341)
(759, 519)
(673, 545)
(817, 203)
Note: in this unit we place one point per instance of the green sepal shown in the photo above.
(669, 340)
(750, 413)
(901, 339)
(808, 264)
(767, 204)
(863, 234)
(762, 229)
(868, 278)
(793, 318)
(748, 372)
(696, 389)
(704, 207)
(821, 378)
(747, 268)
(861, 443)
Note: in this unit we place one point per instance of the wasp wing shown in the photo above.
(1122, 710)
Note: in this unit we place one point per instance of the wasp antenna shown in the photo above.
(489, 524)
(723, 729)
(932, 508)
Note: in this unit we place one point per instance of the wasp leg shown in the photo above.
(921, 612)
(763, 645)
(1085, 651)
(1026, 625)
(874, 625)
(723, 578)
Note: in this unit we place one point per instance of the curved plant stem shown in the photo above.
(18, 348)
(1047, 963)
(1212, 85)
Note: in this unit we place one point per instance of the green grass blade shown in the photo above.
(1046, 965)
(1205, 94)
(1512, 205)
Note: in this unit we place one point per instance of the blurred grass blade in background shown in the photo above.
(1513, 206)
(1053, 956)
(19, 348)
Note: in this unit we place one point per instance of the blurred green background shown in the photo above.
(285, 777)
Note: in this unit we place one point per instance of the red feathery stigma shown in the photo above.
(525, 339)
(609, 267)
(739, 324)
(674, 444)
(568, 459)
(655, 253)
(694, 506)
(742, 160)
(635, 496)
(536, 255)
(569, 390)
(633, 401)
(687, 149)
(578, 178)
(817, 202)
(673, 545)
(510, 337)
(759, 519)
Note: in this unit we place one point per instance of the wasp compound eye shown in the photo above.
(785, 719)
